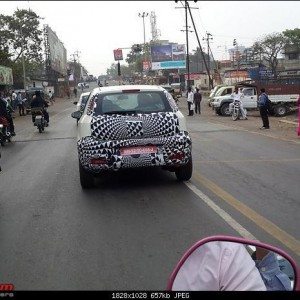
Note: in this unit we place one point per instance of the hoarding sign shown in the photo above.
(146, 65)
(236, 74)
(170, 56)
(58, 53)
(193, 76)
(118, 54)
(6, 77)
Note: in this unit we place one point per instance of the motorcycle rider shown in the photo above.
(238, 96)
(38, 101)
(5, 112)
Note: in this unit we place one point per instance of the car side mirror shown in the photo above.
(76, 115)
(75, 102)
(234, 264)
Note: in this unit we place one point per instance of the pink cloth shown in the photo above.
(219, 266)
(298, 102)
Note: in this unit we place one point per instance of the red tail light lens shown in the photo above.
(98, 161)
(177, 156)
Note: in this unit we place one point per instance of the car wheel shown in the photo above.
(185, 172)
(86, 178)
(280, 110)
(218, 112)
(225, 110)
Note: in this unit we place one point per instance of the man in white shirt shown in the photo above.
(190, 101)
(238, 96)
(14, 100)
(219, 266)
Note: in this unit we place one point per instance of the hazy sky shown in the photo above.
(95, 28)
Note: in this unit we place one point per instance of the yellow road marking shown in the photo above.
(268, 226)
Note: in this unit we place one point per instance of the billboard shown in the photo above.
(169, 56)
(6, 77)
(58, 53)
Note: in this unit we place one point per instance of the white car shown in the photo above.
(132, 127)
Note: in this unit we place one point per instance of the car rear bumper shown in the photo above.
(96, 156)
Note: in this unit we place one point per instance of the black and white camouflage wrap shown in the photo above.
(110, 133)
(118, 127)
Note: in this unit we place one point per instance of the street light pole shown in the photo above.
(143, 15)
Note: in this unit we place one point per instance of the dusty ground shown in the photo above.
(278, 128)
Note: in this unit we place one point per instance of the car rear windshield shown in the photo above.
(131, 103)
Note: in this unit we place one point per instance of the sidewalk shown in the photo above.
(284, 128)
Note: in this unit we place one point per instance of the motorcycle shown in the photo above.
(236, 111)
(39, 118)
(225, 263)
(5, 134)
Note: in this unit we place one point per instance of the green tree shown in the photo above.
(268, 49)
(21, 35)
(292, 36)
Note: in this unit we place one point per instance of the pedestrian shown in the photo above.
(263, 108)
(298, 104)
(20, 104)
(75, 92)
(190, 101)
(197, 100)
(51, 98)
(68, 92)
(14, 100)
(238, 96)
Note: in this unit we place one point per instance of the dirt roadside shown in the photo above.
(284, 128)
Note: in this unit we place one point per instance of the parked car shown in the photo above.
(213, 93)
(132, 127)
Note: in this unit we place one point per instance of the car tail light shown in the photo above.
(177, 156)
(98, 161)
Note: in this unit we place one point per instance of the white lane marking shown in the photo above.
(223, 214)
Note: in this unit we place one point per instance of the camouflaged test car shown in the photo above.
(132, 127)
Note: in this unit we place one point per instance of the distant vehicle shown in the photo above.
(85, 85)
(171, 90)
(213, 93)
(132, 127)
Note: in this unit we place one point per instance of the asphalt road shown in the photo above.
(130, 231)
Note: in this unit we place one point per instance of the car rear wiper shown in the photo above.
(122, 112)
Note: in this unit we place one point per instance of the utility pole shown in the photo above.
(143, 15)
(236, 53)
(208, 37)
(186, 6)
(200, 47)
